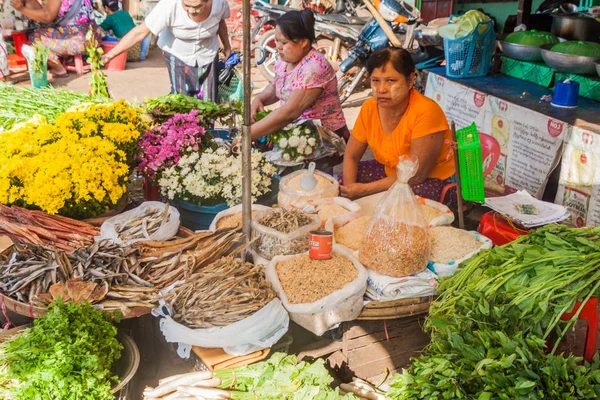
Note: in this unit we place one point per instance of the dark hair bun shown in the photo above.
(298, 25)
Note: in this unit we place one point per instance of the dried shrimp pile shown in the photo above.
(305, 280)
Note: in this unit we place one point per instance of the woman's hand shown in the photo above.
(256, 106)
(235, 144)
(354, 190)
(17, 4)
(106, 58)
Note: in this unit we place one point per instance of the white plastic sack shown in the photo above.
(269, 243)
(289, 197)
(342, 305)
(447, 217)
(444, 270)
(388, 288)
(165, 232)
(311, 207)
(232, 211)
(259, 331)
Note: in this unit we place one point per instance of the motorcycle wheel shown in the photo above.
(266, 42)
(326, 46)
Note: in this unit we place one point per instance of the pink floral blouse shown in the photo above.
(314, 71)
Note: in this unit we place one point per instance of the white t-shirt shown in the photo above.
(194, 43)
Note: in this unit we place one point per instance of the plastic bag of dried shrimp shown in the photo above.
(291, 193)
(232, 217)
(282, 232)
(397, 241)
(319, 294)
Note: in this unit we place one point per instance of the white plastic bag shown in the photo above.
(165, 232)
(387, 288)
(342, 305)
(269, 243)
(445, 270)
(232, 211)
(259, 331)
(446, 217)
(397, 241)
(292, 195)
(353, 210)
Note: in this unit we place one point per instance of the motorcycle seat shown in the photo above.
(341, 19)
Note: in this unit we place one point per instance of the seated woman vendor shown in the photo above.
(304, 84)
(63, 25)
(397, 121)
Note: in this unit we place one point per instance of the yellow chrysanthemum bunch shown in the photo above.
(77, 166)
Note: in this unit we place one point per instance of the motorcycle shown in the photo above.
(336, 33)
(425, 46)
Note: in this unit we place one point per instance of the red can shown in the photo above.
(321, 245)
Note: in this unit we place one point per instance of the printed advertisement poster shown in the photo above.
(579, 185)
(524, 146)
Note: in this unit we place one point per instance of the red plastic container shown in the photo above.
(118, 63)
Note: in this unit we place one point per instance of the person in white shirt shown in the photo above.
(189, 33)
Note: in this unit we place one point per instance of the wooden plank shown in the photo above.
(394, 363)
(320, 349)
(392, 335)
(412, 339)
(396, 312)
(356, 329)
(397, 303)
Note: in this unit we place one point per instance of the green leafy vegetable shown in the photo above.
(98, 84)
(280, 378)
(66, 355)
(40, 60)
(163, 108)
(490, 326)
(21, 105)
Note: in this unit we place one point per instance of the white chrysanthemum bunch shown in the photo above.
(215, 176)
(297, 142)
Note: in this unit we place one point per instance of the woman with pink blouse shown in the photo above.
(304, 84)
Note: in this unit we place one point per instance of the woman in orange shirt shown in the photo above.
(397, 121)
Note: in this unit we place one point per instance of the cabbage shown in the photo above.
(464, 25)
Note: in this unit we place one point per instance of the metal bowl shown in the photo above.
(581, 65)
(523, 52)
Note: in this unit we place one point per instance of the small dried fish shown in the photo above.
(226, 291)
(285, 221)
(144, 225)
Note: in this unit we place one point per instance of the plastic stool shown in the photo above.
(589, 313)
(500, 231)
(78, 65)
(19, 39)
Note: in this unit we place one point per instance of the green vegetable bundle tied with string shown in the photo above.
(496, 328)
(40, 60)
(66, 355)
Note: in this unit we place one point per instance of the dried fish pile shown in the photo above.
(130, 276)
(225, 292)
(37, 227)
(285, 221)
(144, 225)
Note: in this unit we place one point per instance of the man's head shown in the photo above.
(110, 6)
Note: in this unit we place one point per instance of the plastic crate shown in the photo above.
(470, 164)
(471, 56)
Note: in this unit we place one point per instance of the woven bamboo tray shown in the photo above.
(382, 310)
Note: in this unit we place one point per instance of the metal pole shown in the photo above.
(246, 138)
(459, 199)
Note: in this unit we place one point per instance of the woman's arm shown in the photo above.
(45, 14)
(427, 150)
(263, 99)
(298, 102)
(223, 33)
(134, 36)
(352, 190)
